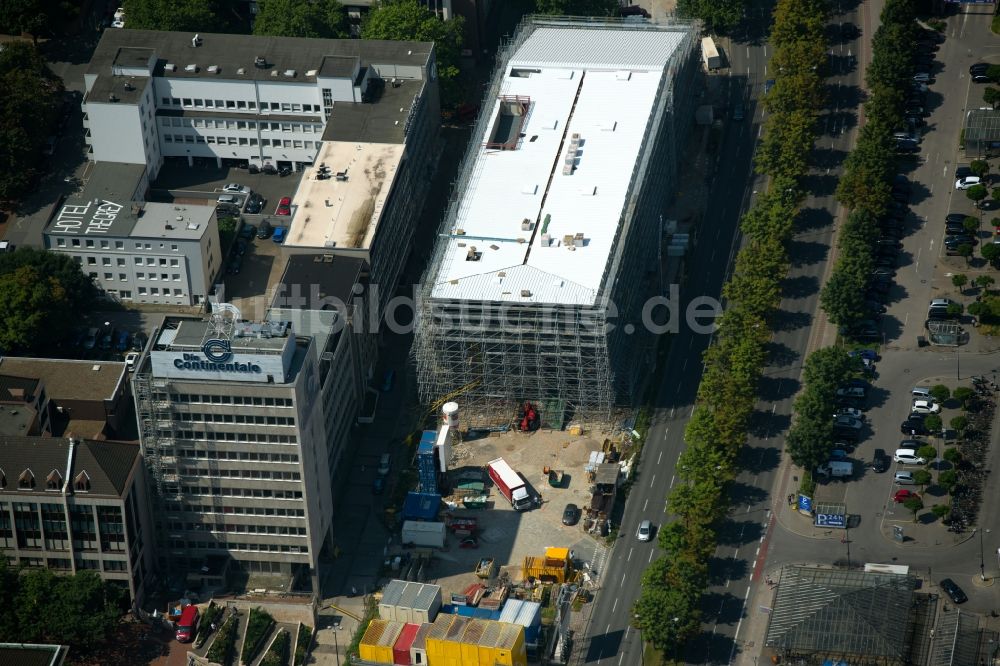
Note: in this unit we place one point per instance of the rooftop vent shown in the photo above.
(241, 71)
(213, 69)
(191, 68)
(472, 255)
(112, 98)
(274, 73)
(290, 73)
(170, 67)
(526, 224)
(129, 86)
(259, 61)
(525, 293)
(196, 41)
(494, 246)
(311, 72)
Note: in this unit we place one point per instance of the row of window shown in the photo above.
(245, 400)
(240, 437)
(242, 492)
(152, 291)
(193, 102)
(221, 528)
(239, 141)
(240, 455)
(227, 124)
(206, 473)
(237, 510)
(180, 544)
(247, 419)
(119, 245)
(120, 261)
(63, 563)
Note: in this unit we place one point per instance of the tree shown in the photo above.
(976, 193)
(965, 251)
(940, 510)
(979, 167)
(959, 280)
(301, 18)
(933, 424)
(991, 253)
(409, 20)
(718, 15)
(959, 423)
(41, 295)
(172, 15)
(963, 394)
(954, 310)
(995, 195)
(914, 504)
(927, 451)
(984, 282)
(991, 96)
(842, 297)
(940, 392)
(577, 7)
(28, 112)
(28, 16)
(948, 479)
(921, 477)
(993, 71)
(952, 455)
(971, 225)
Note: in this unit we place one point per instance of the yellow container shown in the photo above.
(376, 644)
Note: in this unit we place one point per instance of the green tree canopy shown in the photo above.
(408, 20)
(28, 110)
(718, 15)
(977, 193)
(301, 18)
(577, 7)
(959, 280)
(914, 504)
(41, 295)
(173, 15)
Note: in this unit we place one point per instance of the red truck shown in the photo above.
(510, 484)
(187, 624)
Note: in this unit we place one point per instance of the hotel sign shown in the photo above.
(216, 361)
(93, 217)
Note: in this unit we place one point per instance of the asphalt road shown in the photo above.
(611, 638)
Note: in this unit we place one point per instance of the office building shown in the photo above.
(74, 505)
(548, 249)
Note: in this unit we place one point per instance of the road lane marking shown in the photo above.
(645, 504)
(672, 481)
(685, 366)
(623, 583)
(660, 457)
(652, 481)
(650, 556)
(614, 606)
(627, 559)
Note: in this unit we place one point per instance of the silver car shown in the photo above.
(645, 531)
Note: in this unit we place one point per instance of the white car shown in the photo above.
(851, 411)
(120, 14)
(645, 531)
(130, 360)
(967, 182)
(384, 463)
(925, 407)
(908, 457)
(236, 188)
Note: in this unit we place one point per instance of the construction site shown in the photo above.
(551, 242)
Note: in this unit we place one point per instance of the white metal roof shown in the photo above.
(600, 84)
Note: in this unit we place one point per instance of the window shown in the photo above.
(209, 139)
(104, 245)
(140, 276)
(76, 242)
(109, 276)
(178, 292)
(27, 480)
(241, 104)
(114, 565)
(142, 291)
(119, 245)
(174, 262)
(177, 277)
(173, 247)
(186, 101)
(154, 291)
(105, 261)
(165, 101)
(90, 242)
(61, 242)
(82, 482)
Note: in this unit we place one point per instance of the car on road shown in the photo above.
(880, 461)
(384, 463)
(378, 485)
(284, 206)
(768, 85)
(954, 592)
(571, 514)
(924, 407)
(903, 479)
(130, 360)
(903, 494)
(966, 182)
(908, 457)
(235, 188)
(645, 531)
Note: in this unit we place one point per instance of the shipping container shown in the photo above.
(401, 649)
(475, 643)
(376, 644)
(418, 650)
(421, 506)
(427, 535)
(404, 601)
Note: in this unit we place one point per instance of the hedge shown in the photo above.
(258, 627)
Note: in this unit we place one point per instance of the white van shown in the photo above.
(228, 199)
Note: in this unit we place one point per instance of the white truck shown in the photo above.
(710, 54)
(836, 469)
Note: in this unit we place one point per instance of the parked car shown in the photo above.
(925, 407)
(966, 182)
(903, 479)
(570, 514)
(384, 463)
(139, 341)
(284, 206)
(279, 234)
(247, 231)
(264, 230)
(234, 265)
(851, 412)
(903, 494)
(851, 392)
(979, 68)
(913, 426)
(254, 204)
(107, 340)
(953, 591)
(645, 531)
(90, 339)
(130, 360)
(121, 341)
(236, 188)
(847, 421)
(378, 485)
(908, 457)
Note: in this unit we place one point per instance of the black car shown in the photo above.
(264, 230)
(139, 341)
(953, 591)
(254, 206)
(954, 229)
(979, 68)
(571, 514)
(886, 250)
(880, 461)
(960, 239)
(956, 217)
(980, 78)
(914, 426)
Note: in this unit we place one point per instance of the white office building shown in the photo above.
(547, 252)
(137, 251)
(265, 101)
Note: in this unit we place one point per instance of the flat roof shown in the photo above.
(235, 53)
(335, 213)
(381, 120)
(173, 221)
(68, 379)
(539, 217)
(191, 334)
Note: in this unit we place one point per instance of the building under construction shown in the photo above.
(548, 249)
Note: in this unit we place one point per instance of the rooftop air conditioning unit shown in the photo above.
(525, 293)
(290, 73)
(259, 61)
(213, 69)
(170, 67)
(191, 68)
(311, 72)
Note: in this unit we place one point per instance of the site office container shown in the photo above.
(377, 643)
(401, 650)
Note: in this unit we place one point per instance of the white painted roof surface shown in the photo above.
(608, 100)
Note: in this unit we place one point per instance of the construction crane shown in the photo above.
(437, 404)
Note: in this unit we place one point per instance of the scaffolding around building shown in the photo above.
(580, 363)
